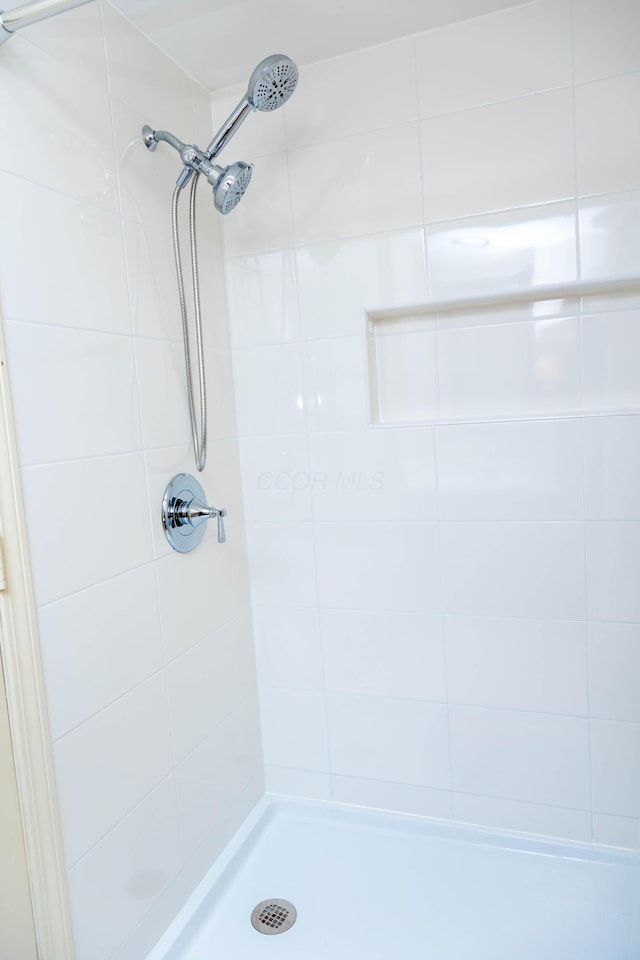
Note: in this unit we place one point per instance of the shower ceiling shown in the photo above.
(215, 40)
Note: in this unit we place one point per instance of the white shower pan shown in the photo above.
(378, 886)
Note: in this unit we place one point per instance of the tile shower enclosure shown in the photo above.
(445, 612)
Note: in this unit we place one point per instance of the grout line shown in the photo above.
(442, 615)
(312, 519)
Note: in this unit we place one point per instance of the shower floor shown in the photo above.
(387, 887)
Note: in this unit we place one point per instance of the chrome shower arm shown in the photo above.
(153, 137)
(28, 13)
(229, 128)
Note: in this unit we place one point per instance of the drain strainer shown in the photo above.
(273, 916)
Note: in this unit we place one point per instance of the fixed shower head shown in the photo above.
(231, 186)
(272, 83)
(270, 86)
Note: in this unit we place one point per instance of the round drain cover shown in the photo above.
(273, 916)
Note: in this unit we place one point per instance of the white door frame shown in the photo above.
(26, 703)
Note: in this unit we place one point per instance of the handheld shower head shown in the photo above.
(270, 86)
(272, 83)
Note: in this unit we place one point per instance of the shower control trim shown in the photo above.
(185, 513)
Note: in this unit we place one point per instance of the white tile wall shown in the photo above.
(614, 670)
(494, 58)
(443, 610)
(514, 569)
(336, 279)
(604, 38)
(511, 754)
(511, 471)
(535, 665)
(607, 139)
(109, 763)
(395, 655)
(502, 252)
(401, 741)
(521, 153)
(149, 662)
(136, 865)
(338, 188)
(378, 566)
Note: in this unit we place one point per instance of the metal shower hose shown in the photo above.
(199, 436)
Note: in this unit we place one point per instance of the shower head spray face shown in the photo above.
(231, 186)
(272, 83)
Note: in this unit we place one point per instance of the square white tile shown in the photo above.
(515, 755)
(400, 741)
(294, 729)
(338, 188)
(84, 379)
(378, 566)
(494, 57)
(612, 468)
(509, 154)
(108, 764)
(288, 647)
(212, 779)
(330, 102)
(614, 671)
(607, 139)
(335, 384)
(502, 252)
(510, 369)
(609, 373)
(135, 866)
(613, 556)
(374, 474)
(68, 558)
(514, 570)
(404, 377)
(610, 236)
(58, 97)
(261, 291)
(207, 577)
(208, 682)
(276, 478)
(282, 564)
(377, 653)
(98, 644)
(269, 390)
(337, 280)
(535, 665)
(604, 38)
(510, 471)
(615, 767)
(54, 232)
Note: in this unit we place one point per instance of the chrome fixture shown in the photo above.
(28, 13)
(185, 513)
(273, 916)
(270, 86)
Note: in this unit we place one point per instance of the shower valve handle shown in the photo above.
(194, 512)
(185, 513)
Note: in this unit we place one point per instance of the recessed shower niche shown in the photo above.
(569, 351)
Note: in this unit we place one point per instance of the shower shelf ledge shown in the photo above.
(403, 347)
(539, 294)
